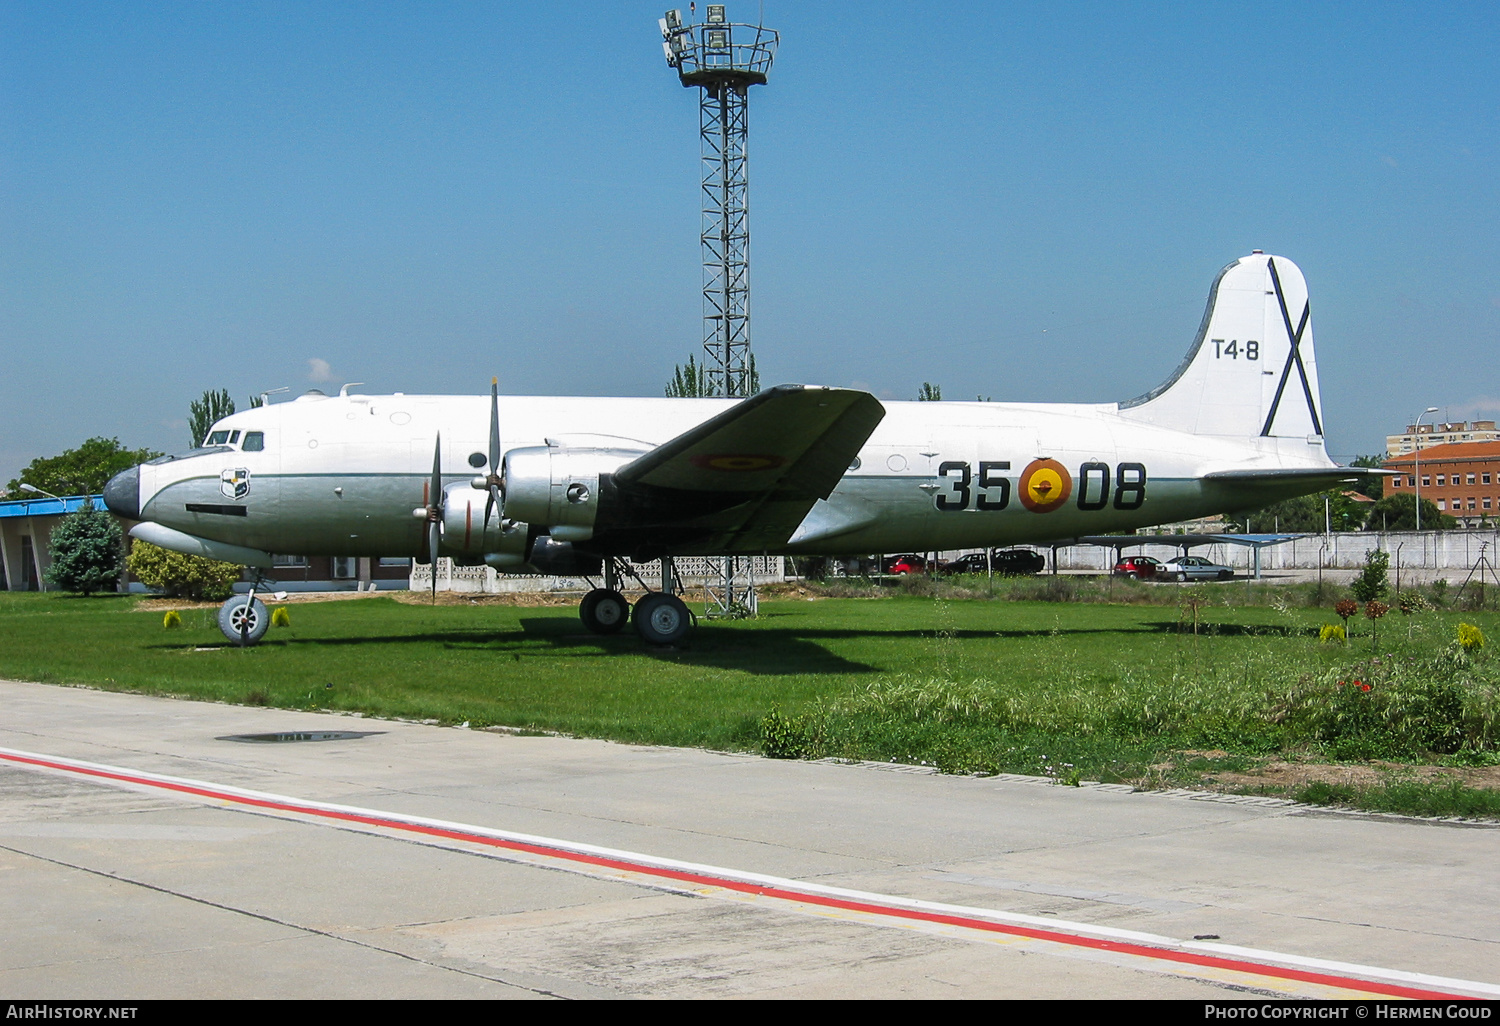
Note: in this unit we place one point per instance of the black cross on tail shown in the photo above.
(1294, 336)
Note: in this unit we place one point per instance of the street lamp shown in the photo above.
(1416, 460)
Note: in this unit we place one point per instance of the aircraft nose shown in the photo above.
(123, 494)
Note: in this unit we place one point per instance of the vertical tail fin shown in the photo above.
(1251, 371)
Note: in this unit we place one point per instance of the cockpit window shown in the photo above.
(217, 438)
(234, 436)
(255, 441)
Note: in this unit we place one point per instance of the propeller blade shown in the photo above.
(494, 499)
(494, 425)
(435, 511)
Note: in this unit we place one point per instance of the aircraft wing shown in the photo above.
(745, 479)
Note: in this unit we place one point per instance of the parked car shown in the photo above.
(910, 563)
(973, 563)
(1142, 568)
(1193, 568)
(1009, 562)
(1016, 562)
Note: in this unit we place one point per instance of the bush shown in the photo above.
(180, 575)
(1371, 582)
(86, 551)
(785, 737)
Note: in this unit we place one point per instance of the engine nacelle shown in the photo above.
(466, 532)
(557, 487)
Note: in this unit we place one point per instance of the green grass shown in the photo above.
(1093, 690)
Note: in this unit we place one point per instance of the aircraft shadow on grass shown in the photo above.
(768, 651)
(1208, 628)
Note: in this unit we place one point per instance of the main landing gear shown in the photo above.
(660, 617)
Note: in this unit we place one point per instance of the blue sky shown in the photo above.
(1021, 201)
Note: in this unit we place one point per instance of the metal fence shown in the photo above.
(692, 570)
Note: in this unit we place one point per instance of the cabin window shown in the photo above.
(255, 441)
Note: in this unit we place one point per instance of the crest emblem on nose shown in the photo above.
(235, 484)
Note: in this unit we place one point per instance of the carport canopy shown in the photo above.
(1186, 542)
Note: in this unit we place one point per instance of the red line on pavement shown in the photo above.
(785, 894)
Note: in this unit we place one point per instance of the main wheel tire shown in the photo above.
(243, 612)
(604, 611)
(661, 619)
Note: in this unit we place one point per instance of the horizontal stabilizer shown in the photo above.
(1298, 475)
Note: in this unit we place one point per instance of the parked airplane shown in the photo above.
(574, 486)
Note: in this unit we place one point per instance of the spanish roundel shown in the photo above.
(1045, 485)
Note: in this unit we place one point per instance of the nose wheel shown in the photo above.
(243, 619)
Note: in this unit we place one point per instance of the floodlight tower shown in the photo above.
(723, 60)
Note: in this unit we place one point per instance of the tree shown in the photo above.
(83, 470)
(1307, 514)
(930, 393)
(1373, 486)
(1398, 512)
(690, 381)
(206, 412)
(85, 550)
(181, 575)
(1371, 582)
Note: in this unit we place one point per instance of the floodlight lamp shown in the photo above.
(666, 48)
(673, 21)
(715, 15)
(718, 39)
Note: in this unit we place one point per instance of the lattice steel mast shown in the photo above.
(723, 60)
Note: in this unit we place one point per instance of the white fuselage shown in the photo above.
(342, 475)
